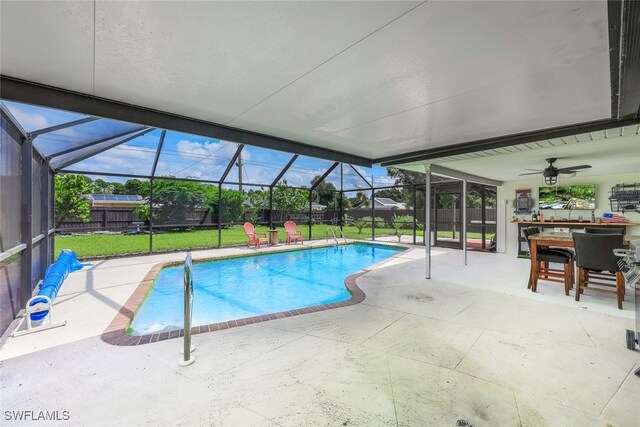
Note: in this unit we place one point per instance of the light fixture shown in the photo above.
(551, 180)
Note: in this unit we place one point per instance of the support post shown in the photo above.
(310, 213)
(151, 215)
(483, 215)
(51, 218)
(270, 208)
(427, 220)
(415, 211)
(26, 205)
(341, 195)
(373, 211)
(464, 219)
(219, 215)
(44, 217)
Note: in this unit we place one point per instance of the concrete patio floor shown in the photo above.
(470, 344)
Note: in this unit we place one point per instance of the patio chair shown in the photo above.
(597, 265)
(254, 238)
(608, 230)
(544, 272)
(292, 234)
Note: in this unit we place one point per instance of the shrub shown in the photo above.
(365, 221)
(402, 222)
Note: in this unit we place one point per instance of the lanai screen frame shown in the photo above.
(63, 161)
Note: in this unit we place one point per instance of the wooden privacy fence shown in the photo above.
(122, 219)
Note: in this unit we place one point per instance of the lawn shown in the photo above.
(93, 245)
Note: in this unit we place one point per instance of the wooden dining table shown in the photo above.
(557, 239)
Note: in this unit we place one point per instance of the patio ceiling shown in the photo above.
(370, 79)
(615, 151)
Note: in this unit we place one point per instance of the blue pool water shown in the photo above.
(245, 287)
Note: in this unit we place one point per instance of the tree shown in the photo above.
(101, 186)
(136, 187)
(390, 193)
(324, 193)
(173, 199)
(258, 200)
(360, 200)
(404, 177)
(117, 188)
(287, 200)
(71, 193)
(232, 204)
(408, 178)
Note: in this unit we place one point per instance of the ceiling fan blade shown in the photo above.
(573, 168)
(530, 173)
(537, 170)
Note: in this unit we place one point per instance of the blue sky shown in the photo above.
(183, 155)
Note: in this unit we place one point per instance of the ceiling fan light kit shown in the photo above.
(550, 173)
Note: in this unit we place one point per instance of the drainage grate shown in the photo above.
(463, 423)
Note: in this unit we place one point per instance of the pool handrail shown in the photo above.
(188, 359)
(333, 233)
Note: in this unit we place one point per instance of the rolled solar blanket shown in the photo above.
(53, 278)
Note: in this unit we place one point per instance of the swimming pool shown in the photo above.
(239, 288)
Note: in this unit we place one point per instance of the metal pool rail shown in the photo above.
(188, 311)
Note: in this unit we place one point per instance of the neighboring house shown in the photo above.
(383, 203)
(115, 200)
(317, 206)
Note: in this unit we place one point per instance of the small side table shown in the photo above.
(273, 237)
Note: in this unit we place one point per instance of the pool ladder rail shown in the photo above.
(187, 358)
(333, 233)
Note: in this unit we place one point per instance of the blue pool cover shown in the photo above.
(245, 287)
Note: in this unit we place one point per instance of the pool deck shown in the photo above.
(472, 343)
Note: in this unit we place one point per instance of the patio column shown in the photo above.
(219, 215)
(464, 219)
(427, 219)
(373, 211)
(151, 215)
(26, 217)
(271, 208)
(310, 219)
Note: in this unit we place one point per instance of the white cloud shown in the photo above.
(30, 121)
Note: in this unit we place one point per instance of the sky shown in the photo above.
(183, 155)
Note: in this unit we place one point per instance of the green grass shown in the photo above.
(94, 245)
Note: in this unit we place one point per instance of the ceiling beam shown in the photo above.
(64, 126)
(629, 59)
(158, 151)
(614, 16)
(450, 173)
(32, 93)
(283, 171)
(71, 159)
(15, 124)
(232, 163)
(505, 141)
(99, 141)
(324, 176)
(362, 177)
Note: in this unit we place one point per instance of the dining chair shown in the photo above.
(545, 257)
(608, 230)
(597, 265)
(557, 249)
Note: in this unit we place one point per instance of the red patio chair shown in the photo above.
(292, 234)
(253, 237)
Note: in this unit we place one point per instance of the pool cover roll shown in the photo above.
(53, 278)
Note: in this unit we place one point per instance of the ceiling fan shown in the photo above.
(551, 172)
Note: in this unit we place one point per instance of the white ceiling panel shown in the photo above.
(450, 72)
(214, 60)
(49, 42)
(368, 78)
